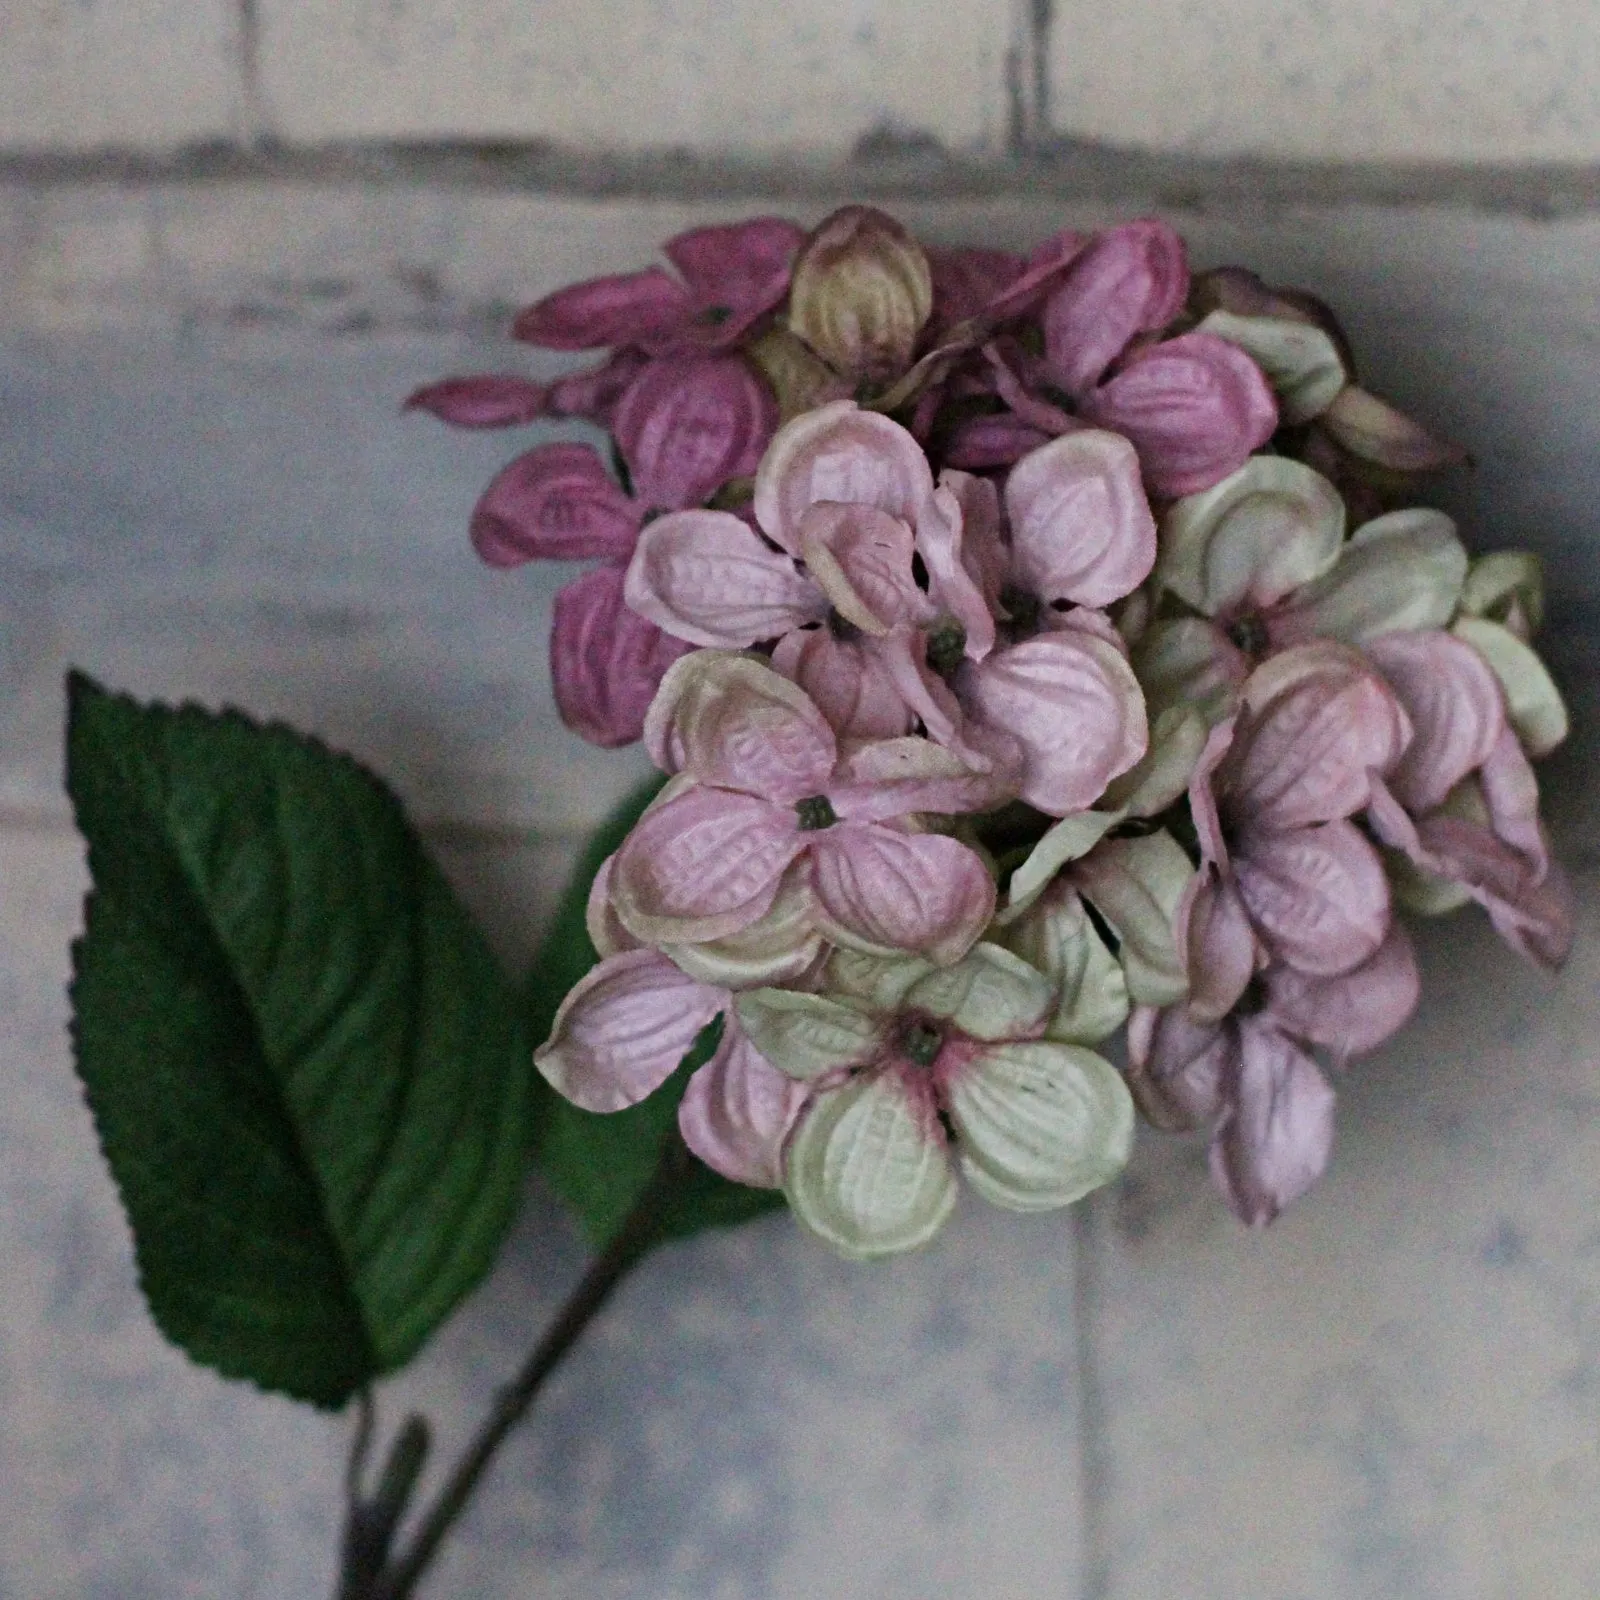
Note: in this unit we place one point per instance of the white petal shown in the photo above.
(1262, 532)
(1067, 840)
(1301, 361)
(880, 982)
(867, 1169)
(1040, 1124)
(1057, 937)
(1534, 706)
(989, 994)
(807, 1035)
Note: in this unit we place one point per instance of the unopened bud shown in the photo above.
(799, 380)
(861, 293)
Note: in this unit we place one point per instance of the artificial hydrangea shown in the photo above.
(1034, 645)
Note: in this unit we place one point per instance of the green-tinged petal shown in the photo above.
(1177, 736)
(1068, 840)
(1135, 884)
(1040, 1124)
(1399, 572)
(989, 994)
(1189, 662)
(1507, 586)
(1534, 705)
(1059, 939)
(867, 1170)
(879, 982)
(1424, 894)
(806, 1035)
(1301, 362)
(1265, 530)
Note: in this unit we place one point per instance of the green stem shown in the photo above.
(397, 1578)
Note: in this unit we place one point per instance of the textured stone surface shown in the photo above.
(143, 73)
(1386, 80)
(624, 74)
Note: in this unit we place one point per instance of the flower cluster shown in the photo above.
(1034, 645)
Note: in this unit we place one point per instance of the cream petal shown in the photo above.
(1137, 885)
(606, 933)
(738, 1110)
(1039, 1124)
(707, 577)
(989, 994)
(1067, 840)
(809, 1035)
(1248, 541)
(867, 1169)
(623, 1029)
(881, 982)
(1081, 528)
(1056, 936)
(1534, 705)
(1301, 361)
(1506, 586)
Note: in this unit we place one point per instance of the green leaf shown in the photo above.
(600, 1165)
(309, 1077)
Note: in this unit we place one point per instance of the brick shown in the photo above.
(1382, 80)
(628, 74)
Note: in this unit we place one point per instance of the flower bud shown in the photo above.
(862, 291)
(799, 380)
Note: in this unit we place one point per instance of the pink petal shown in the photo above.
(707, 577)
(703, 865)
(1004, 357)
(1453, 700)
(983, 443)
(1319, 722)
(1511, 793)
(1176, 1066)
(626, 309)
(1195, 407)
(839, 452)
(489, 400)
(1538, 923)
(958, 538)
(1073, 704)
(556, 503)
(606, 934)
(1355, 1012)
(689, 424)
(1214, 935)
(892, 777)
(1202, 797)
(1081, 528)
(900, 891)
(861, 559)
(731, 721)
(1130, 280)
(849, 684)
(1277, 1134)
(623, 1029)
(1318, 896)
(738, 1110)
(605, 661)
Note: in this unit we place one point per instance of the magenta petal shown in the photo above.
(626, 309)
(1040, 273)
(556, 503)
(702, 865)
(1215, 937)
(1073, 704)
(983, 443)
(1355, 1012)
(606, 662)
(1453, 700)
(1177, 1066)
(1317, 896)
(888, 890)
(1131, 280)
(623, 1029)
(595, 394)
(1081, 528)
(851, 686)
(1277, 1134)
(707, 577)
(1195, 408)
(690, 423)
(967, 282)
(489, 400)
(738, 1110)
(735, 271)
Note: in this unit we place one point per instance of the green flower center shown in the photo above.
(947, 645)
(715, 316)
(921, 1042)
(815, 812)
(1023, 610)
(1249, 634)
